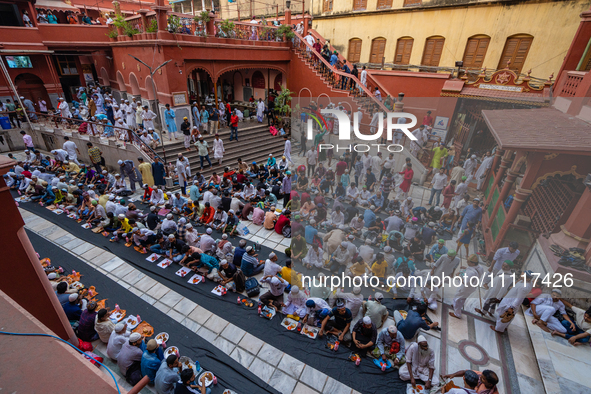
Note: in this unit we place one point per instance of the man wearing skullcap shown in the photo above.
(151, 359)
(249, 263)
(500, 285)
(543, 308)
(274, 297)
(420, 364)
(364, 336)
(466, 289)
(390, 345)
(484, 382)
(129, 358)
(341, 323)
(375, 310)
(118, 337)
(72, 307)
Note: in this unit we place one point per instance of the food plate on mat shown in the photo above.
(144, 329)
(290, 324)
(171, 350)
(162, 337)
(76, 285)
(418, 389)
(248, 303)
(132, 322)
(309, 331)
(183, 272)
(86, 225)
(153, 257)
(195, 279)
(208, 378)
(164, 263)
(117, 314)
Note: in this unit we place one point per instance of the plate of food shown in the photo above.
(58, 211)
(219, 290)
(153, 257)
(310, 332)
(86, 225)
(183, 272)
(417, 389)
(228, 391)
(132, 322)
(248, 303)
(186, 363)
(403, 314)
(171, 350)
(195, 279)
(117, 314)
(144, 329)
(76, 285)
(289, 324)
(162, 337)
(164, 263)
(208, 378)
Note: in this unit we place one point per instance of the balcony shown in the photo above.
(571, 83)
(48, 36)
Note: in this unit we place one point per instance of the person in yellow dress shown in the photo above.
(379, 267)
(146, 171)
(439, 153)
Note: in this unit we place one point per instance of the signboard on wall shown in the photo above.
(440, 127)
(180, 98)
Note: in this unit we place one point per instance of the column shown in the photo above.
(511, 177)
(505, 164)
(577, 226)
(287, 17)
(521, 196)
(161, 14)
(144, 20)
(24, 280)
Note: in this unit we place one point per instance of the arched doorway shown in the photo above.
(238, 87)
(200, 85)
(105, 77)
(277, 85)
(30, 86)
(134, 85)
(121, 82)
(150, 89)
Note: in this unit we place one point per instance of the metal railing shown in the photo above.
(97, 129)
(247, 31)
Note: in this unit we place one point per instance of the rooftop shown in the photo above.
(539, 130)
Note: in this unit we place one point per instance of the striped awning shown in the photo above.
(56, 5)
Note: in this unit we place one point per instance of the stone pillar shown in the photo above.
(287, 17)
(521, 196)
(505, 164)
(24, 279)
(117, 7)
(144, 19)
(161, 14)
(307, 19)
(210, 25)
(509, 181)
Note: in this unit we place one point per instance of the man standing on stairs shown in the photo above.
(169, 118)
(287, 148)
(363, 77)
(183, 170)
(148, 117)
(234, 126)
(260, 110)
(218, 149)
(203, 148)
(186, 130)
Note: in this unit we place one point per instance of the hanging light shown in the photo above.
(287, 4)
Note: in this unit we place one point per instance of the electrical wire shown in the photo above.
(66, 342)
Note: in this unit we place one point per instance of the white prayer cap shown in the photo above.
(21, 97)
(270, 155)
(438, 208)
(117, 175)
(182, 220)
(209, 231)
(294, 290)
(189, 226)
(119, 327)
(73, 297)
(224, 236)
(368, 241)
(52, 275)
(473, 156)
(111, 197)
(105, 172)
(127, 101)
(392, 329)
(387, 249)
(431, 224)
(224, 261)
(169, 216)
(155, 187)
(409, 198)
(356, 290)
(379, 296)
(120, 162)
(171, 236)
(344, 244)
(194, 127)
(248, 248)
(557, 291)
(231, 211)
(134, 337)
(275, 281)
(372, 207)
(421, 338)
(62, 177)
(195, 182)
(312, 222)
(121, 216)
(271, 255)
(366, 320)
(351, 237)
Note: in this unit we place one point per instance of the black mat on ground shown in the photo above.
(230, 373)
(366, 378)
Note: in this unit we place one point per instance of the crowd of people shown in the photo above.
(354, 217)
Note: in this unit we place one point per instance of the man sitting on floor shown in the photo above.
(341, 323)
(420, 364)
(274, 297)
(364, 336)
(390, 345)
(486, 381)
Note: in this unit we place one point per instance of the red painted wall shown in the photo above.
(413, 84)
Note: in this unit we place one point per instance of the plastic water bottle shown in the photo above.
(383, 367)
(299, 327)
(215, 380)
(336, 346)
(238, 300)
(358, 361)
(260, 308)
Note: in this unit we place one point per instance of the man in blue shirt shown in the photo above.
(414, 320)
(238, 252)
(310, 231)
(472, 213)
(334, 58)
(369, 217)
(436, 251)
(250, 265)
(341, 323)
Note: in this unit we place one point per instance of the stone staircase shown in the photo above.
(254, 144)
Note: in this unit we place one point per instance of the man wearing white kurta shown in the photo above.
(314, 257)
(183, 170)
(260, 110)
(512, 300)
(420, 364)
(483, 170)
(459, 192)
(148, 117)
(470, 167)
(157, 197)
(287, 148)
(501, 283)
(218, 149)
(543, 309)
(466, 289)
(130, 114)
(503, 254)
(72, 149)
(296, 303)
(64, 108)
